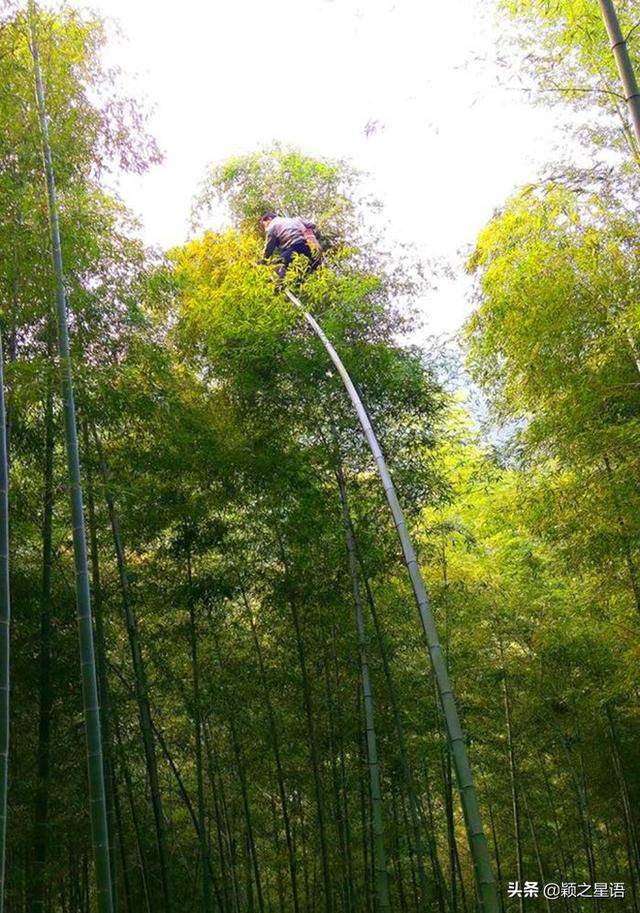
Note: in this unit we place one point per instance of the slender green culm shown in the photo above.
(97, 803)
(5, 619)
(623, 62)
(484, 878)
(140, 680)
(383, 904)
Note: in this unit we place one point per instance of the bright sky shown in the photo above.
(227, 78)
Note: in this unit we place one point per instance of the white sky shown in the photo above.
(227, 78)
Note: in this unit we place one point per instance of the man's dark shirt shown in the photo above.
(285, 233)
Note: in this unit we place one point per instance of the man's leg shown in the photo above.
(313, 257)
(281, 270)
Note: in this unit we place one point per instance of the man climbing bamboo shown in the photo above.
(290, 236)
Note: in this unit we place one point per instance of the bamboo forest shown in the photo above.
(303, 610)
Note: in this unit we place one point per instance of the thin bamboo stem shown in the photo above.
(484, 878)
(311, 729)
(41, 798)
(414, 809)
(207, 899)
(380, 856)
(5, 622)
(275, 744)
(140, 680)
(97, 801)
(101, 658)
(623, 62)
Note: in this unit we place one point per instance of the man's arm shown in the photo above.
(270, 245)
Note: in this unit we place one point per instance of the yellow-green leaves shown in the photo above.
(558, 278)
(226, 301)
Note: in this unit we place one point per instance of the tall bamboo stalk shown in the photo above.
(338, 806)
(140, 681)
(366, 898)
(414, 810)
(311, 729)
(223, 837)
(494, 837)
(623, 61)
(207, 900)
(536, 846)
(241, 770)
(380, 856)
(485, 882)
(124, 857)
(627, 804)
(184, 794)
(399, 877)
(345, 815)
(145, 876)
(624, 535)
(513, 777)
(5, 620)
(101, 660)
(41, 797)
(97, 803)
(275, 744)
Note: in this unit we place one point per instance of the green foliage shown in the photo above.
(216, 411)
(555, 328)
(574, 29)
(286, 181)
(565, 50)
(227, 303)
